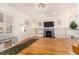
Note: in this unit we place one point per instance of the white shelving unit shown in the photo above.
(5, 23)
(7, 39)
(7, 42)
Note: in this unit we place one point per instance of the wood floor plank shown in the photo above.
(47, 46)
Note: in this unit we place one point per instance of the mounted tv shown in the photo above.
(48, 24)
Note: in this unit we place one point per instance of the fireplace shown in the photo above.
(49, 29)
(48, 34)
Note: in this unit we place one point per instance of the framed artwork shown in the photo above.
(26, 23)
(39, 24)
(59, 22)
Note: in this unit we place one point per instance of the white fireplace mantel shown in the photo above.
(59, 31)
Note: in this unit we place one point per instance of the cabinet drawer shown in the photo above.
(7, 43)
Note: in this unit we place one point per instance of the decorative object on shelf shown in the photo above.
(26, 25)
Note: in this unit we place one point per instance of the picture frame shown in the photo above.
(26, 23)
(39, 24)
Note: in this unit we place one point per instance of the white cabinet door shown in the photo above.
(60, 32)
(1, 17)
(1, 46)
(8, 22)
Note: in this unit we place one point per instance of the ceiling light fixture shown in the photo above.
(42, 5)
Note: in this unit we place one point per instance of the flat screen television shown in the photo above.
(48, 24)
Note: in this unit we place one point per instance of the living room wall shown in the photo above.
(18, 19)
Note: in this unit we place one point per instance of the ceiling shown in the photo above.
(50, 10)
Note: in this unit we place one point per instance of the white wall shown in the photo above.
(18, 19)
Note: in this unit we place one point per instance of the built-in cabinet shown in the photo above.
(5, 23)
(7, 42)
(60, 32)
(7, 39)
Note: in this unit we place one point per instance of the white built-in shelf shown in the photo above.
(5, 23)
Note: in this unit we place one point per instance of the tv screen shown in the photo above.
(48, 24)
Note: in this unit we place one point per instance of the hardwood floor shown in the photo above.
(47, 46)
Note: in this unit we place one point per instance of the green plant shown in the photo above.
(73, 25)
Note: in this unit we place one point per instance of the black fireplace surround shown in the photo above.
(48, 34)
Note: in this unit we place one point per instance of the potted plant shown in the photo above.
(73, 26)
